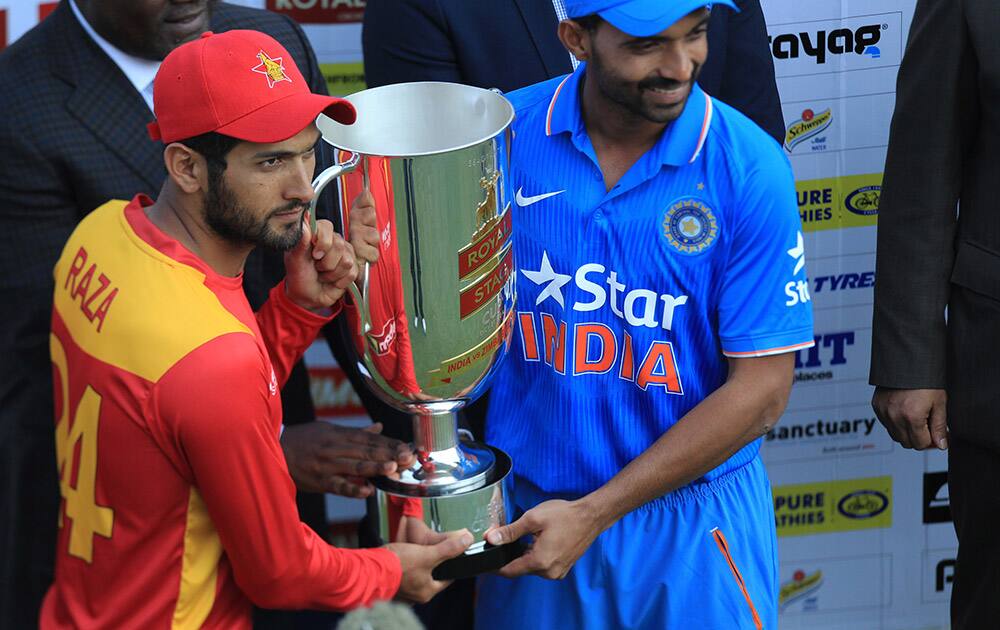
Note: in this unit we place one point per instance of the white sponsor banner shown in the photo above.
(19, 16)
(825, 433)
(836, 63)
(332, 42)
(851, 123)
(939, 571)
(848, 242)
(825, 46)
(837, 282)
(837, 584)
(834, 372)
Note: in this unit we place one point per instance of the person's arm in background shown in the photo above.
(936, 113)
(407, 40)
(747, 77)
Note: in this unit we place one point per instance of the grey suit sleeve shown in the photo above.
(936, 111)
(407, 40)
(748, 82)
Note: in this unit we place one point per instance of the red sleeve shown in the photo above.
(217, 401)
(288, 329)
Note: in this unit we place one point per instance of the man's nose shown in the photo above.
(299, 185)
(676, 64)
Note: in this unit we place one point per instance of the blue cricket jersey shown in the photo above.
(630, 300)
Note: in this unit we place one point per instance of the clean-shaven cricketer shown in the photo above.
(660, 304)
(178, 509)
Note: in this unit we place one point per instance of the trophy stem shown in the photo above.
(444, 464)
(435, 431)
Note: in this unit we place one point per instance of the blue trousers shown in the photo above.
(703, 557)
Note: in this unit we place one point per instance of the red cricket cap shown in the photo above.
(240, 83)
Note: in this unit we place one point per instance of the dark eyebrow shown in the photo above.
(652, 39)
(702, 22)
(270, 155)
(657, 39)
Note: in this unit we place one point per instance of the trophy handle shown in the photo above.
(360, 296)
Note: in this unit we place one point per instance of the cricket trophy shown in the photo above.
(431, 321)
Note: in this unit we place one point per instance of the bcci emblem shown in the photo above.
(690, 226)
(273, 69)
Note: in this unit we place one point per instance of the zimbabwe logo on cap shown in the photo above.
(690, 226)
(273, 69)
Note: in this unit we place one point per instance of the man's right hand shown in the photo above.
(916, 418)
(418, 561)
(324, 457)
(363, 228)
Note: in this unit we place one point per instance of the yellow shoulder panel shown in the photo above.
(127, 304)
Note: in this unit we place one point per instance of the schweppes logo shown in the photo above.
(810, 125)
(800, 586)
(272, 68)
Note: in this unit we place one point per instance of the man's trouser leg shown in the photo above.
(973, 482)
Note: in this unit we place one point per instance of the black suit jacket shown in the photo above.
(944, 148)
(509, 44)
(73, 135)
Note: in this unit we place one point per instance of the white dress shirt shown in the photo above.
(138, 71)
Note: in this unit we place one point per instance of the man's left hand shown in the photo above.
(320, 268)
(563, 531)
(324, 457)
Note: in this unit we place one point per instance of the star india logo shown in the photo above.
(273, 69)
(548, 276)
(690, 226)
(798, 253)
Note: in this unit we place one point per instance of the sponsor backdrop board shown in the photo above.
(17, 16)
(864, 534)
(865, 537)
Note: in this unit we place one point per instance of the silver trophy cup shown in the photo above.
(432, 319)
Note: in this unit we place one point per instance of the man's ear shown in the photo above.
(576, 39)
(186, 167)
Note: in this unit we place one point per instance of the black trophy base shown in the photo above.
(486, 561)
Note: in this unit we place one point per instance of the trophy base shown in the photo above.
(486, 561)
(477, 509)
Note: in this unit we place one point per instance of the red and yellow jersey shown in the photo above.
(178, 509)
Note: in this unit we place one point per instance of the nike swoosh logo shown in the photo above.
(523, 201)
